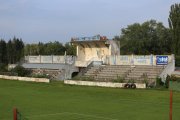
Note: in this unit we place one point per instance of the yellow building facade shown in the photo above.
(89, 50)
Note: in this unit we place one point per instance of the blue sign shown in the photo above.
(161, 60)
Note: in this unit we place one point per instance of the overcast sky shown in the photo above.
(50, 20)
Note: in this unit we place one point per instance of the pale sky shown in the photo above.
(59, 20)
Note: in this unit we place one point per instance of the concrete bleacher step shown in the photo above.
(109, 75)
(114, 69)
(89, 74)
(112, 72)
(104, 72)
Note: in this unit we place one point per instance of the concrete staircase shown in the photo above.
(93, 71)
(144, 73)
(128, 73)
(109, 73)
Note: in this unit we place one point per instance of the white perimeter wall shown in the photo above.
(135, 59)
(50, 59)
(98, 54)
(25, 78)
(102, 84)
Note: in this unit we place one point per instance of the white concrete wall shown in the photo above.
(135, 59)
(33, 59)
(50, 59)
(25, 78)
(102, 84)
(58, 59)
(47, 59)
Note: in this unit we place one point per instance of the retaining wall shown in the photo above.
(102, 84)
(25, 78)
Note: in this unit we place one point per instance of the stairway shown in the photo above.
(129, 73)
(141, 73)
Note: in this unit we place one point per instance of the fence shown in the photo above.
(138, 59)
(111, 60)
(50, 59)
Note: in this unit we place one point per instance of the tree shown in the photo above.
(174, 25)
(150, 37)
(3, 51)
(19, 49)
(33, 49)
(10, 52)
(54, 48)
(41, 48)
(15, 50)
(70, 50)
(50, 48)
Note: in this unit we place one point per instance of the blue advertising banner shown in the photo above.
(161, 60)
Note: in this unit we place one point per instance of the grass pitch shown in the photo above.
(56, 101)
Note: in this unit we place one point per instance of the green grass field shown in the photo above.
(56, 101)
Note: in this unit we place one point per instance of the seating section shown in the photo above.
(144, 73)
(126, 72)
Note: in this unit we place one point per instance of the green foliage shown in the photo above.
(21, 71)
(174, 24)
(177, 61)
(50, 48)
(168, 78)
(159, 82)
(119, 79)
(173, 83)
(3, 52)
(15, 50)
(40, 75)
(174, 78)
(70, 49)
(145, 81)
(131, 81)
(84, 78)
(3, 67)
(55, 48)
(150, 37)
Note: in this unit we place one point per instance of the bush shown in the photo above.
(146, 81)
(177, 60)
(40, 75)
(131, 81)
(21, 71)
(168, 78)
(174, 78)
(119, 79)
(159, 82)
(3, 67)
(171, 78)
(83, 78)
